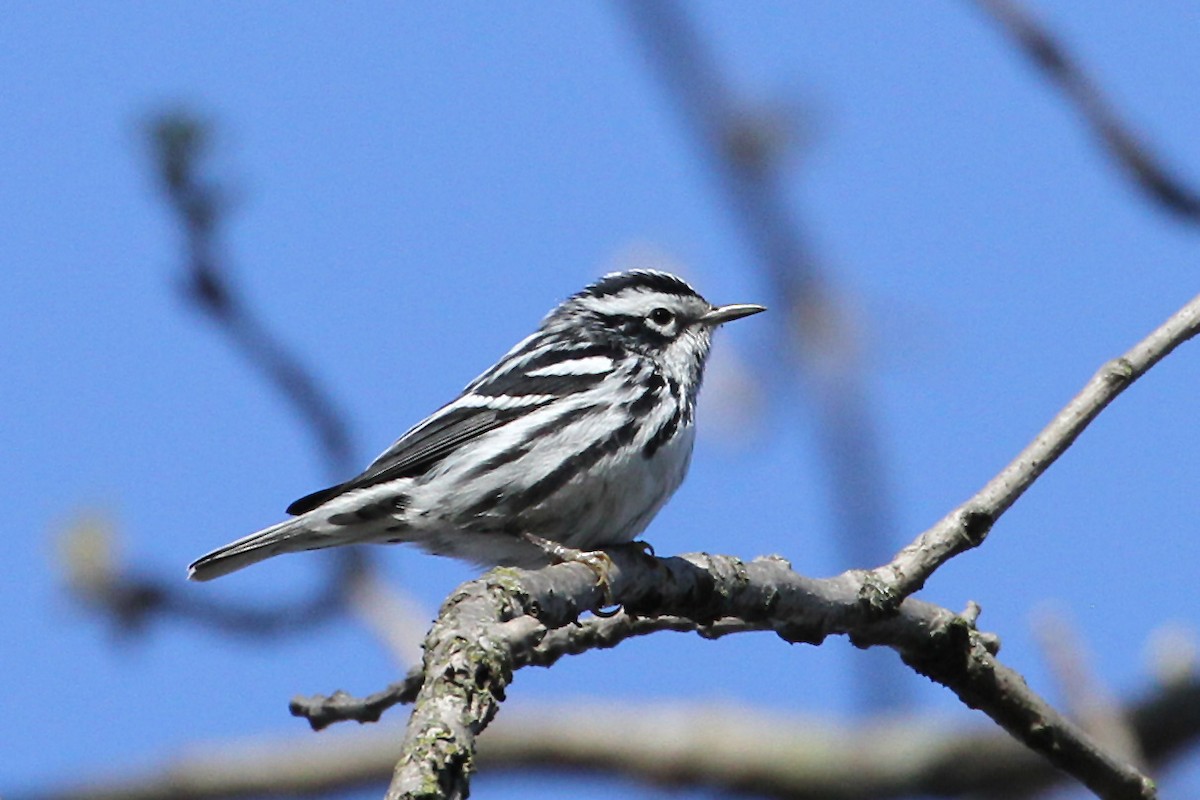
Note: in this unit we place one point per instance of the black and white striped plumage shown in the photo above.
(578, 435)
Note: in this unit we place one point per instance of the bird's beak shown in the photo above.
(722, 314)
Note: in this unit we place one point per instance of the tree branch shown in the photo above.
(486, 628)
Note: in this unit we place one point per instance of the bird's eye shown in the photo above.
(661, 316)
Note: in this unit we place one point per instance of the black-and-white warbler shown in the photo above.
(577, 436)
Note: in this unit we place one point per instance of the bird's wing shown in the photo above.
(423, 446)
(535, 373)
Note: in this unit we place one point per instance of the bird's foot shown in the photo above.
(597, 561)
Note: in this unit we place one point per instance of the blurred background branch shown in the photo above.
(1085, 698)
(1158, 182)
(746, 149)
(717, 747)
(179, 143)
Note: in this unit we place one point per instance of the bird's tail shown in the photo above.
(288, 536)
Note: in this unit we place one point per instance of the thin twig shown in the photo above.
(321, 711)
(593, 633)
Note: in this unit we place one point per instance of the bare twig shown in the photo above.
(593, 633)
(322, 711)
(1125, 147)
(966, 526)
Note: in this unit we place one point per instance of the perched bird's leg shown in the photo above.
(597, 561)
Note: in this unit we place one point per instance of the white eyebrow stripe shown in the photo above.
(630, 302)
(591, 365)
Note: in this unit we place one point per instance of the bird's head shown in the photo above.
(653, 313)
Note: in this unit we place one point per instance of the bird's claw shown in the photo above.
(597, 561)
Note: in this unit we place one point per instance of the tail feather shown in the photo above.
(288, 536)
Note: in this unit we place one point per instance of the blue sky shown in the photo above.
(411, 189)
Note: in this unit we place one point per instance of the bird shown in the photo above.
(575, 438)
